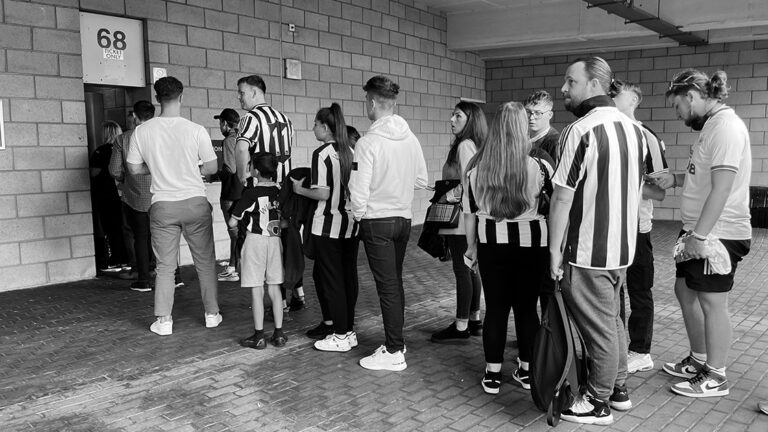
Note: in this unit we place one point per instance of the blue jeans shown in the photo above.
(168, 220)
(385, 240)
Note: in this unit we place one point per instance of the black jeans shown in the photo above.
(468, 284)
(639, 284)
(142, 243)
(512, 278)
(385, 240)
(336, 269)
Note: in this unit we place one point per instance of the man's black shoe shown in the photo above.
(450, 335)
(256, 341)
(476, 327)
(320, 332)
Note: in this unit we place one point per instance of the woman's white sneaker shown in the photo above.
(637, 362)
(163, 328)
(334, 343)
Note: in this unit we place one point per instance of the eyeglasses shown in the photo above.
(536, 114)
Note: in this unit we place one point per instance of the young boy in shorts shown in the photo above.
(261, 260)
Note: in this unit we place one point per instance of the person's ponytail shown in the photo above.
(718, 86)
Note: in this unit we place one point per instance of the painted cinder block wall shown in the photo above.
(45, 209)
(746, 64)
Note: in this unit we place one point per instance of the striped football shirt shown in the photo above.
(266, 129)
(333, 217)
(258, 207)
(602, 160)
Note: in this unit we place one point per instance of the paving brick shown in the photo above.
(59, 41)
(7, 208)
(115, 7)
(42, 204)
(29, 62)
(254, 64)
(21, 182)
(206, 78)
(70, 66)
(79, 202)
(15, 230)
(62, 134)
(67, 18)
(73, 112)
(223, 60)
(65, 180)
(59, 88)
(16, 86)
(9, 254)
(146, 9)
(72, 269)
(44, 250)
(158, 31)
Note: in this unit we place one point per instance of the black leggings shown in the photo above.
(512, 277)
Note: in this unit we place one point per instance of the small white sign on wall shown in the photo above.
(113, 50)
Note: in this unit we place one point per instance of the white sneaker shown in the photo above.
(162, 328)
(212, 321)
(229, 275)
(352, 336)
(381, 359)
(334, 343)
(637, 362)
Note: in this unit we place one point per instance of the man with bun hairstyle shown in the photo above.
(387, 167)
(170, 148)
(714, 205)
(592, 230)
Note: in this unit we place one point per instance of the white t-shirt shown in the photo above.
(722, 145)
(172, 147)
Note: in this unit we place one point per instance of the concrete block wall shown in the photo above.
(208, 45)
(746, 64)
(45, 221)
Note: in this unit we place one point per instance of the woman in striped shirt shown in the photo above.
(507, 236)
(469, 129)
(334, 230)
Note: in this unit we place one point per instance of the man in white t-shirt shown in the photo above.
(714, 206)
(171, 148)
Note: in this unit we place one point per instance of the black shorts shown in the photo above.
(693, 270)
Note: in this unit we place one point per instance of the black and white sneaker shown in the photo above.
(523, 377)
(620, 399)
(587, 409)
(491, 382)
(320, 331)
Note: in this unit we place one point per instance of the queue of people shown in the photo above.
(517, 239)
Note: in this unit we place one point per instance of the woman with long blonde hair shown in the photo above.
(507, 236)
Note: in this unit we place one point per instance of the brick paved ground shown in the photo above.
(80, 357)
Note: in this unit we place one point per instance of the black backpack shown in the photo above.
(556, 368)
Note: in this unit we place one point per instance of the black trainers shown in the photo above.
(587, 409)
(476, 327)
(491, 382)
(320, 332)
(256, 341)
(142, 286)
(278, 339)
(450, 335)
(296, 304)
(620, 399)
(523, 377)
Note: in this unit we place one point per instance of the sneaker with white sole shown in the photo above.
(619, 399)
(688, 368)
(705, 384)
(491, 382)
(638, 362)
(163, 328)
(213, 320)
(352, 336)
(334, 343)
(381, 359)
(229, 275)
(587, 409)
(763, 406)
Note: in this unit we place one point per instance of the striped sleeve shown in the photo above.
(726, 150)
(320, 169)
(570, 169)
(655, 161)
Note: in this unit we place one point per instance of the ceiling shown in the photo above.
(500, 29)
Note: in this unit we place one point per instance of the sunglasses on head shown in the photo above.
(690, 80)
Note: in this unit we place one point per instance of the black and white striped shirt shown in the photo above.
(266, 129)
(333, 217)
(529, 229)
(603, 158)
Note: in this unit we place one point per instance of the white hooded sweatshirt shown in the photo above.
(389, 165)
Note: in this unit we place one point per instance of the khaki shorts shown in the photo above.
(261, 261)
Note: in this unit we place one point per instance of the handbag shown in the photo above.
(442, 214)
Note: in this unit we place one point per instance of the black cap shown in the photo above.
(228, 115)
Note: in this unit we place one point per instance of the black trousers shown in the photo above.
(639, 284)
(468, 284)
(512, 278)
(385, 240)
(142, 243)
(336, 271)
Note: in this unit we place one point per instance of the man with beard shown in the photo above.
(592, 226)
(714, 205)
